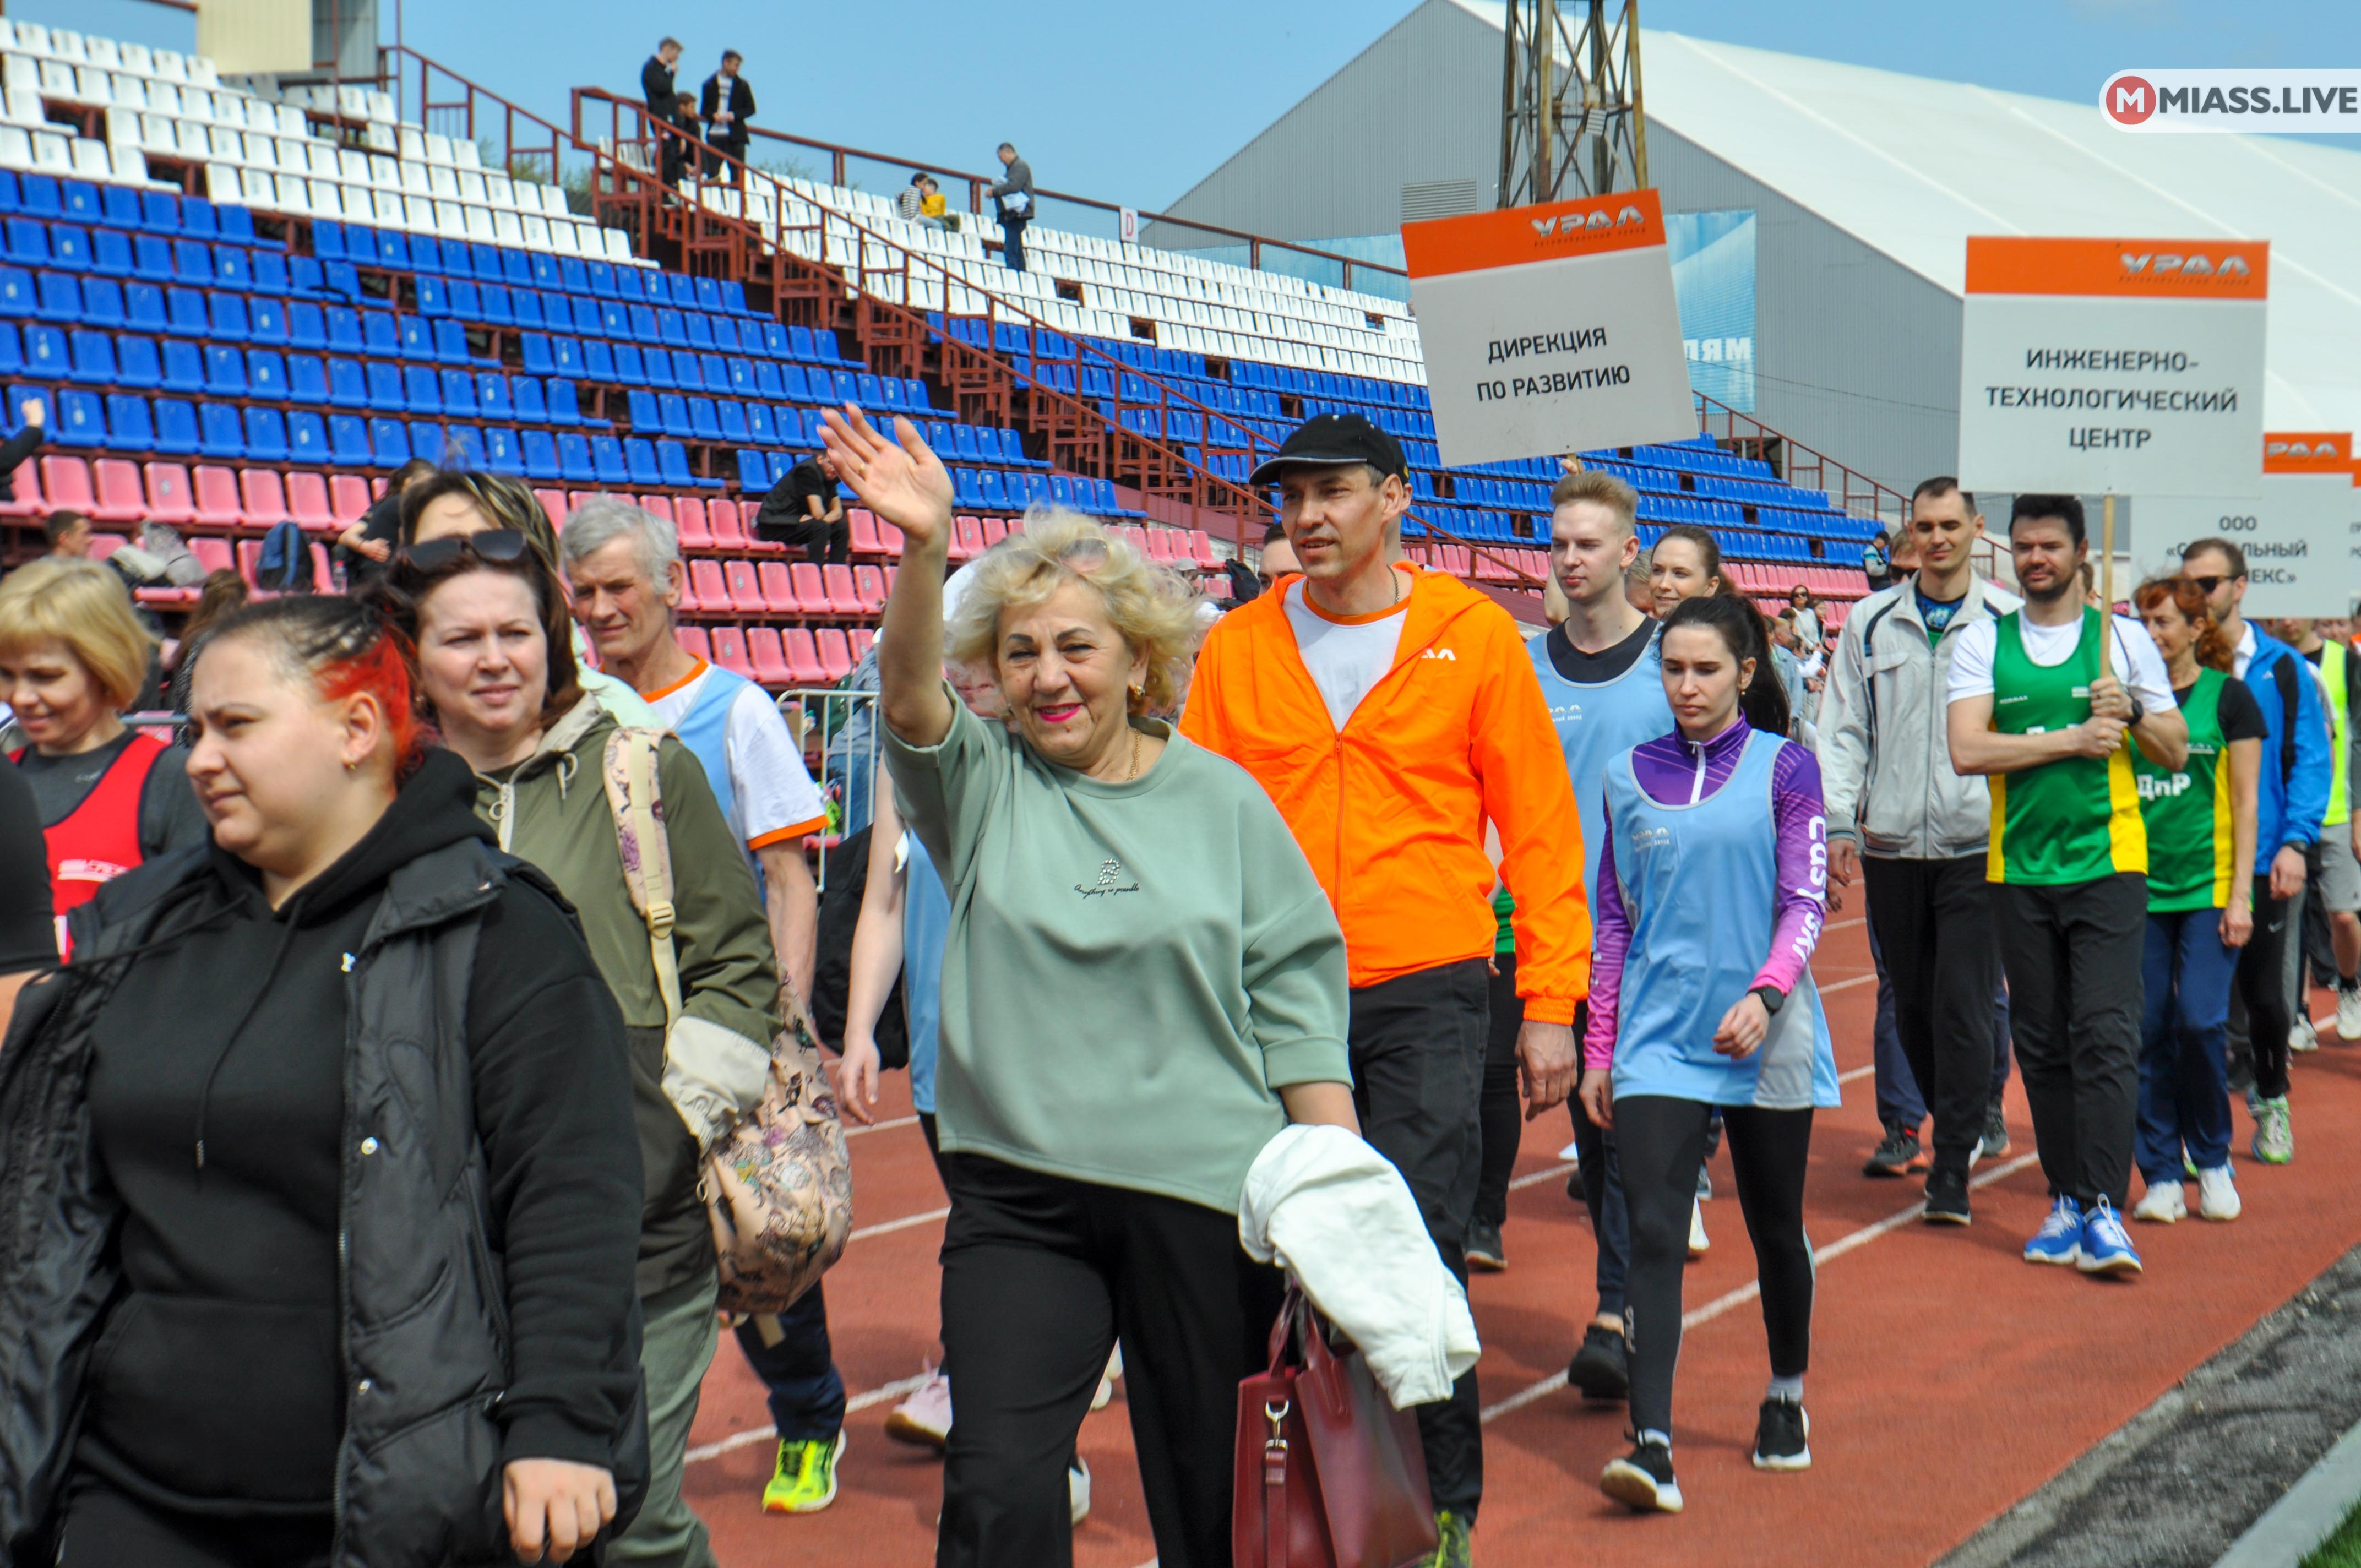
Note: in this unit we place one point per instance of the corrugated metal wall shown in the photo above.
(1854, 355)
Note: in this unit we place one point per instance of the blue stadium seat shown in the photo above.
(432, 299)
(224, 371)
(537, 451)
(759, 427)
(266, 374)
(704, 423)
(385, 388)
(192, 261)
(394, 251)
(17, 291)
(672, 415)
(341, 278)
(687, 370)
(136, 362)
(451, 344)
(307, 379)
(184, 366)
(151, 258)
(575, 463)
(110, 252)
(347, 384)
(564, 403)
(724, 333)
(472, 301)
(535, 347)
(791, 427)
(640, 460)
(81, 419)
(699, 330)
(460, 393)
(93, 357)
(767, 382)
(128, 425)
(429, 440)
(220, 432)
(753, 472)
(421, 389)
(271, 274)
(349, 443)
(492, 396)
(642, 409)
(266, 320)
(658, 361)
(328, 239)
(59, 298)
(379, 337)
(38, 194)
(307, 325)
(227, 318)
(70, 246)
(176, 428)
(732, 414)
(414, 337)
(741, 371)
(598, 278)
(501, 453)
(388, 443)
(231, 267)
(965, 490)
(307, 438)
(990, 492)
(48, 353)
(524, 399)
(630, 369)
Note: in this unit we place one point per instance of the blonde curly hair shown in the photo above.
(1148, 605)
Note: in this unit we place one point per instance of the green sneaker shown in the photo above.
(804, 1482)
(1452, 1545)
(2274, 1132)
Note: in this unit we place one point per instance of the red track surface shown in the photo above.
(1950, 1378)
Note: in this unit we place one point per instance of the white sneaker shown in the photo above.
(1078, 1490)
(1106, 1396)
(2162, 1203)
(925, 1417)
(2303, 1039)
(2217, 1193)
(2348, 1014)
(1698, 1243)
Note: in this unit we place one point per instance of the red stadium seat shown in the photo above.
(778, 588)
(869, 584)
(803, 657)
(261, 497)
(1201, 548)
(860, 638)
(728, 529)
(212, 554)
(66, 482)
(730, 651)
(770, 661)
(866, 539)
(217, 493)
(748, 512)
(553, 502)
(689, 517)
(307, 502)
(118, 498)
(835, 654)
(101, 545)
(349, 498)
(659, 505)
(745, 589)
(995, 530)
(29, 501)
(707, 586)
(891, 538)
(843, 598)
(168, 494)
(811, 589)
(693, 643)
(967, 539)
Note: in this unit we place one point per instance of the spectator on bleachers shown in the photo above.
(1015, 194)
(679, 156)
(488, 619)
(1806, 611)
(368, 544)
(453, 504)
(727, 105)
(235, 1027)
(932, 208)
(805, 511)
(68, 534)
(22, 446)
(657, 79)
(73, 658)
(223, 595)
(913, 198)
(1877, 562)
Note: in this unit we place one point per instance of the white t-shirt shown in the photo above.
(1346, 657)
(1972, 658)
(773, 798)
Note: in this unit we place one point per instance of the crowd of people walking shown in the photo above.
(377, 1032)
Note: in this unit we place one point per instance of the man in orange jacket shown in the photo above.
(1390, 712)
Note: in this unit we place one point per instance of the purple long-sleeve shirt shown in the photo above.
(1676, 771)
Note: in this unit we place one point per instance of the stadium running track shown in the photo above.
(1948, 1378)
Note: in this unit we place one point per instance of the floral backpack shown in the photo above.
(778, 1189)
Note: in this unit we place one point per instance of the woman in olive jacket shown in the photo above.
(318, 1178)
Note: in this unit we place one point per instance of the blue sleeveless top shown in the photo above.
(1701, 884)
(1598, 722)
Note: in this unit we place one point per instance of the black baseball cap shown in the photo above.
(1335, 438)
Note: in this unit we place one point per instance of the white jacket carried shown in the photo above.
(1335, 1213)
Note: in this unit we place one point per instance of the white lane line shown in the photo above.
(1869, 979)
(1753, 1288)
(885, 1226)
(1537, 1178)
(1841, 924)
(1856, 1072)
(855, 1130)
(737, 1440)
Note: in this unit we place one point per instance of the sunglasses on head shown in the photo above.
(502, 546)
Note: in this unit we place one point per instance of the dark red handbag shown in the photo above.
(1329, 1473)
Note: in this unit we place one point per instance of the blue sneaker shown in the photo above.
(2106, 1249)
(2059, 1239)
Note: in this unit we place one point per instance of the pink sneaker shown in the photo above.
(924, 1419)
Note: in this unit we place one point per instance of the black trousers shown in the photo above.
(1934, 923)
(1502, 1117)
(825, 543)
(1418, 1049)
(1041, 1275)
(1602, 1191)
(1012, 241)
(2261, 989)
(2073, 953)
(1660, 1142)
(715, 149)
(106, 1527)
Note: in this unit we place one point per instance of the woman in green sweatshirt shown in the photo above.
(1142, 985)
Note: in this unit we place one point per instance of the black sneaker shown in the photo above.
(1484, 1250)
(1642, 1480)
(1995, 1139)
(1947, 1199)
(1782, 1436)
(1897, 1154)
(1599, 1368)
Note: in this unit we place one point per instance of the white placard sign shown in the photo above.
(2131, 368)
(1550, 329)
(2297, 534)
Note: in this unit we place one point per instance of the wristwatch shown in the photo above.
(1771, 997)
(2139, 712)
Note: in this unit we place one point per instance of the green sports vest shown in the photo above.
(2340, 795)
(2187, 813)
(2073, 820)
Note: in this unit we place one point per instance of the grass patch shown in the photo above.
(2341, 1550)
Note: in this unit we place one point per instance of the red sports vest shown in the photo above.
(99, 839)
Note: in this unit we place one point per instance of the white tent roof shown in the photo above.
(1911, 166)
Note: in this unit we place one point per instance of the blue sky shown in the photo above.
(1135, 102)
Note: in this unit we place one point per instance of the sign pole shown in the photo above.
(2107, 582)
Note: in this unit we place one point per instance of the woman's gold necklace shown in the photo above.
(1135, 758)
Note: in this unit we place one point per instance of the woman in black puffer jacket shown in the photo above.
(319, 1183)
